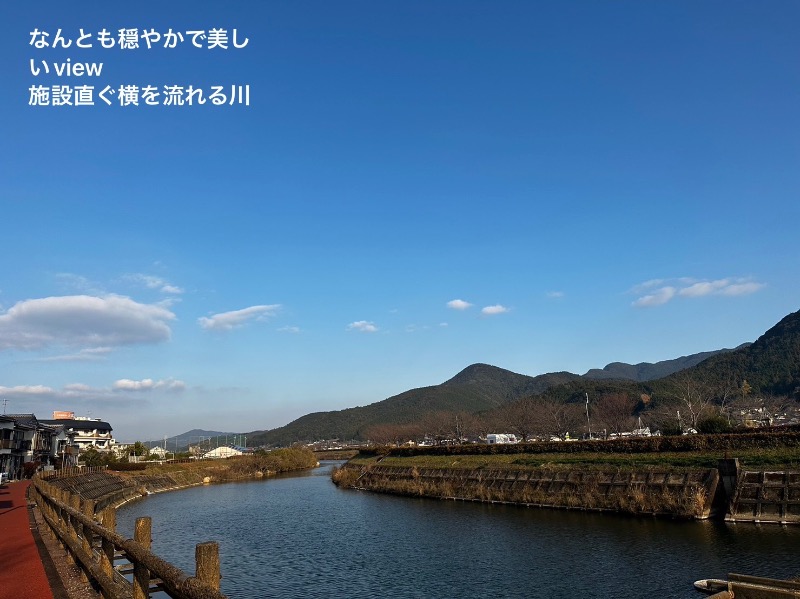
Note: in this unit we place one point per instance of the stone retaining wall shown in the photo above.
(676, 493)
(766, 497)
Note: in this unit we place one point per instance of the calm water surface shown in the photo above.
(300, 536)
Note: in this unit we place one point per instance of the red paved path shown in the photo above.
(21, 572)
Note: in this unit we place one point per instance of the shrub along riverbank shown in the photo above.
(253, 465)
(110, 487)
(757, 450)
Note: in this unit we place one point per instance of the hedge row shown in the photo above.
(722, 442)
(123, 467)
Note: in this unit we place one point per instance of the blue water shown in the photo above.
(301, 536)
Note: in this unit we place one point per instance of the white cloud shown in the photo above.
(702, 288)
(83, 320)
(362, 326)
(496, 309)
(555, 294)
(226, 321)
(171, 289)
(22, 390)
(691, 288)
(77, 387)
(153, 282)
(458, 304)
(129, 385)
(289, 329)
(148, 385)
(658, 297)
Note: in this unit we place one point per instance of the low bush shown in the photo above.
(126, 467)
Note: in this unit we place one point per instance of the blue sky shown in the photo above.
(414, 187)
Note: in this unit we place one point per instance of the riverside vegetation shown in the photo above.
(673, 476)
(254, 465)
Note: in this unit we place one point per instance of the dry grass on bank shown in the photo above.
(235, 468)
(787, 458)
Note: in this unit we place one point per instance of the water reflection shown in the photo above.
(300, 536)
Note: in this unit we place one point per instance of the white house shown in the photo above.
(89, 432)
(500, 438)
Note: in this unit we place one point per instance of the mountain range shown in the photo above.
(182, 441)
(770, 365)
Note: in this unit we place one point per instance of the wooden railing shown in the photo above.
(70, 471)
(91, 542)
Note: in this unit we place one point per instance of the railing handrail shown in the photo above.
(175, 581)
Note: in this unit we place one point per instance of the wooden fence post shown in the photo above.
(88, 511)
(141, 576)
(109, 519)
(206, 556)
(76, 530)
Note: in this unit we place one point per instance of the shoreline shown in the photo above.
(109, 489)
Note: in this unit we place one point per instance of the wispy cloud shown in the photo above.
(153, 282)
(660, 291)
(226, 321)
(555, 294)
(362, 326)
(148, 385)
(78, 283)
(90, 354)
(656, 298)
(290, 329)
(492, 310)
(80, 393)
(77, 320)
(23, 390)
(458, 304)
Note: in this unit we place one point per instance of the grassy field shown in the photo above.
(787, 458)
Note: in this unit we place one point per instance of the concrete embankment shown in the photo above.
(675, 493)
(766, 497)
(110, 488)
(727, 491)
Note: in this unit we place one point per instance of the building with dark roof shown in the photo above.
(88, 432)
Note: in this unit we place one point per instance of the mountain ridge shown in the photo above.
(771, 364)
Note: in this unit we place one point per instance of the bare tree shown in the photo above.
(441, 426)
(615, 412)
(696, 400)
(522, 417)
(556, 419)
(392, 434)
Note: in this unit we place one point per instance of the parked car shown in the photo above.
(3, 478)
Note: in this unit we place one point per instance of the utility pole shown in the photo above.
(588, 424)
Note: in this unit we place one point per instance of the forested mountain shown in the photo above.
(770, 365)
(648, 371)
(477, 388)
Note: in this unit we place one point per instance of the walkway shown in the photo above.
(21, 571)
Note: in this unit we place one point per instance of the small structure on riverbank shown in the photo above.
(225, 451)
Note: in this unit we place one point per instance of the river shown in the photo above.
(300, 536)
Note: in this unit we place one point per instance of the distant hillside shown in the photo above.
(477, 388)
(648, 371)
(183, 440)
(771, 365)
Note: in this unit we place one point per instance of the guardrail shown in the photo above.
(91, 542)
